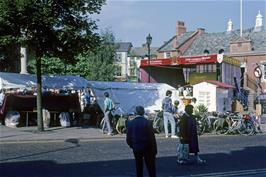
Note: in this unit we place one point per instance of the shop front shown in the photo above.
(188, 70)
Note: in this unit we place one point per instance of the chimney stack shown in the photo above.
(180, 28)
(201, 31)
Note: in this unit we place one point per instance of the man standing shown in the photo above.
(140, 137)
(167, 107)
(108, 107)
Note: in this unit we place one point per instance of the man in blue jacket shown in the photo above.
(140, 137)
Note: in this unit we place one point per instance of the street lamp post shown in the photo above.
(148, 42)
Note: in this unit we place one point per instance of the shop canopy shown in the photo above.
(22, 81)
(190, 60)
(128, 95)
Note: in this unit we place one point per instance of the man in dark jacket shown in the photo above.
(140, 137)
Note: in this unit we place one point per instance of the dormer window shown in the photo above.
(221, 51)
(206, 51)
(167, 55)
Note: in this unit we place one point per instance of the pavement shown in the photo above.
(31, 133)
(83, 133)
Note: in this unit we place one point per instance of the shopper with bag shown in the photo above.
(188, 137)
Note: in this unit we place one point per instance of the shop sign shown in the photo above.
(156, 62)
(198, 59)
(231, 61)
(257, 72)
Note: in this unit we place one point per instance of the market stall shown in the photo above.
(216, 95)
(59, 95)
(128, 95)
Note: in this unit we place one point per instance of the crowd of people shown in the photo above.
(141, 139)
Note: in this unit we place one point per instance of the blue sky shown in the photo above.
(133, 20)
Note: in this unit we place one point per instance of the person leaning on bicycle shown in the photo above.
(108, 107)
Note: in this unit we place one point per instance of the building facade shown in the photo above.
(248, 46)
(122, 61)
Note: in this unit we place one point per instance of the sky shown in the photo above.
(132, 20)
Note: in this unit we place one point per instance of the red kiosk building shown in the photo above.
(183, 70)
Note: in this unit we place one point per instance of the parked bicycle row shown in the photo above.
(167, 120)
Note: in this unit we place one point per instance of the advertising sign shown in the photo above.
(201, 59)
(156, 62)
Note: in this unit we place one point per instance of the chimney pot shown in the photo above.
(180, 28)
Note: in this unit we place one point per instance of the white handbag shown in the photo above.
(182, 152)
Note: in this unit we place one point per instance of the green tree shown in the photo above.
(50, 28)
(99, 65)
(50, 66)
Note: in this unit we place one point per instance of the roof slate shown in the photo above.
(142, 51)
(213, 42)
(123, 46)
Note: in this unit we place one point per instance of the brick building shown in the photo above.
(249, 48)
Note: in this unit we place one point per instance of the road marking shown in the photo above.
(230, 173)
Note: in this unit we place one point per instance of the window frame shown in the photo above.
(263, 64)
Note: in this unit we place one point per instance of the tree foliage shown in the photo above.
(54, 28)
(96, 65)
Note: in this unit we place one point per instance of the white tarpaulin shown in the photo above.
(21, 81)
(128, 95)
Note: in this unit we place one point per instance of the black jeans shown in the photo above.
(149, 161)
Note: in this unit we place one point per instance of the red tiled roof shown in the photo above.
(219, 84)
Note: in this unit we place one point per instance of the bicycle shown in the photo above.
(240, 124)
(118, 120)
(157, 121)
(221, 124)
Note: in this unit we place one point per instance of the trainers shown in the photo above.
(174, 136)
(182, 162)
(110, 134)
(201, 161)
(166, 136)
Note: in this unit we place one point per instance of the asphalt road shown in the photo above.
(225, 155)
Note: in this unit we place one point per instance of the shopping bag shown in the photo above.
(182, 152)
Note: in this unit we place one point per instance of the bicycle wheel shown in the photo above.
(101, 125)
(249, 127)
(200, 127)
(220, 126)
(157, 126)
(121, 125)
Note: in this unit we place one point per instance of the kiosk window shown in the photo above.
(264, 71)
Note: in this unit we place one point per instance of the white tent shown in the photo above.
(21, 81)
(128, 95)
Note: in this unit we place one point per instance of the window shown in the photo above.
(132, 72)
(118, 71)
(132, 62)
(206, 51)
(264, 71)
(118, 57)
(221, 51)
(167, 54)
(206, 68)
(239, 44)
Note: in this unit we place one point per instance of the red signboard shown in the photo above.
(201, 59)
(156, 62)
(182, 60)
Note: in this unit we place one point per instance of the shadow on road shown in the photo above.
(249, 158)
